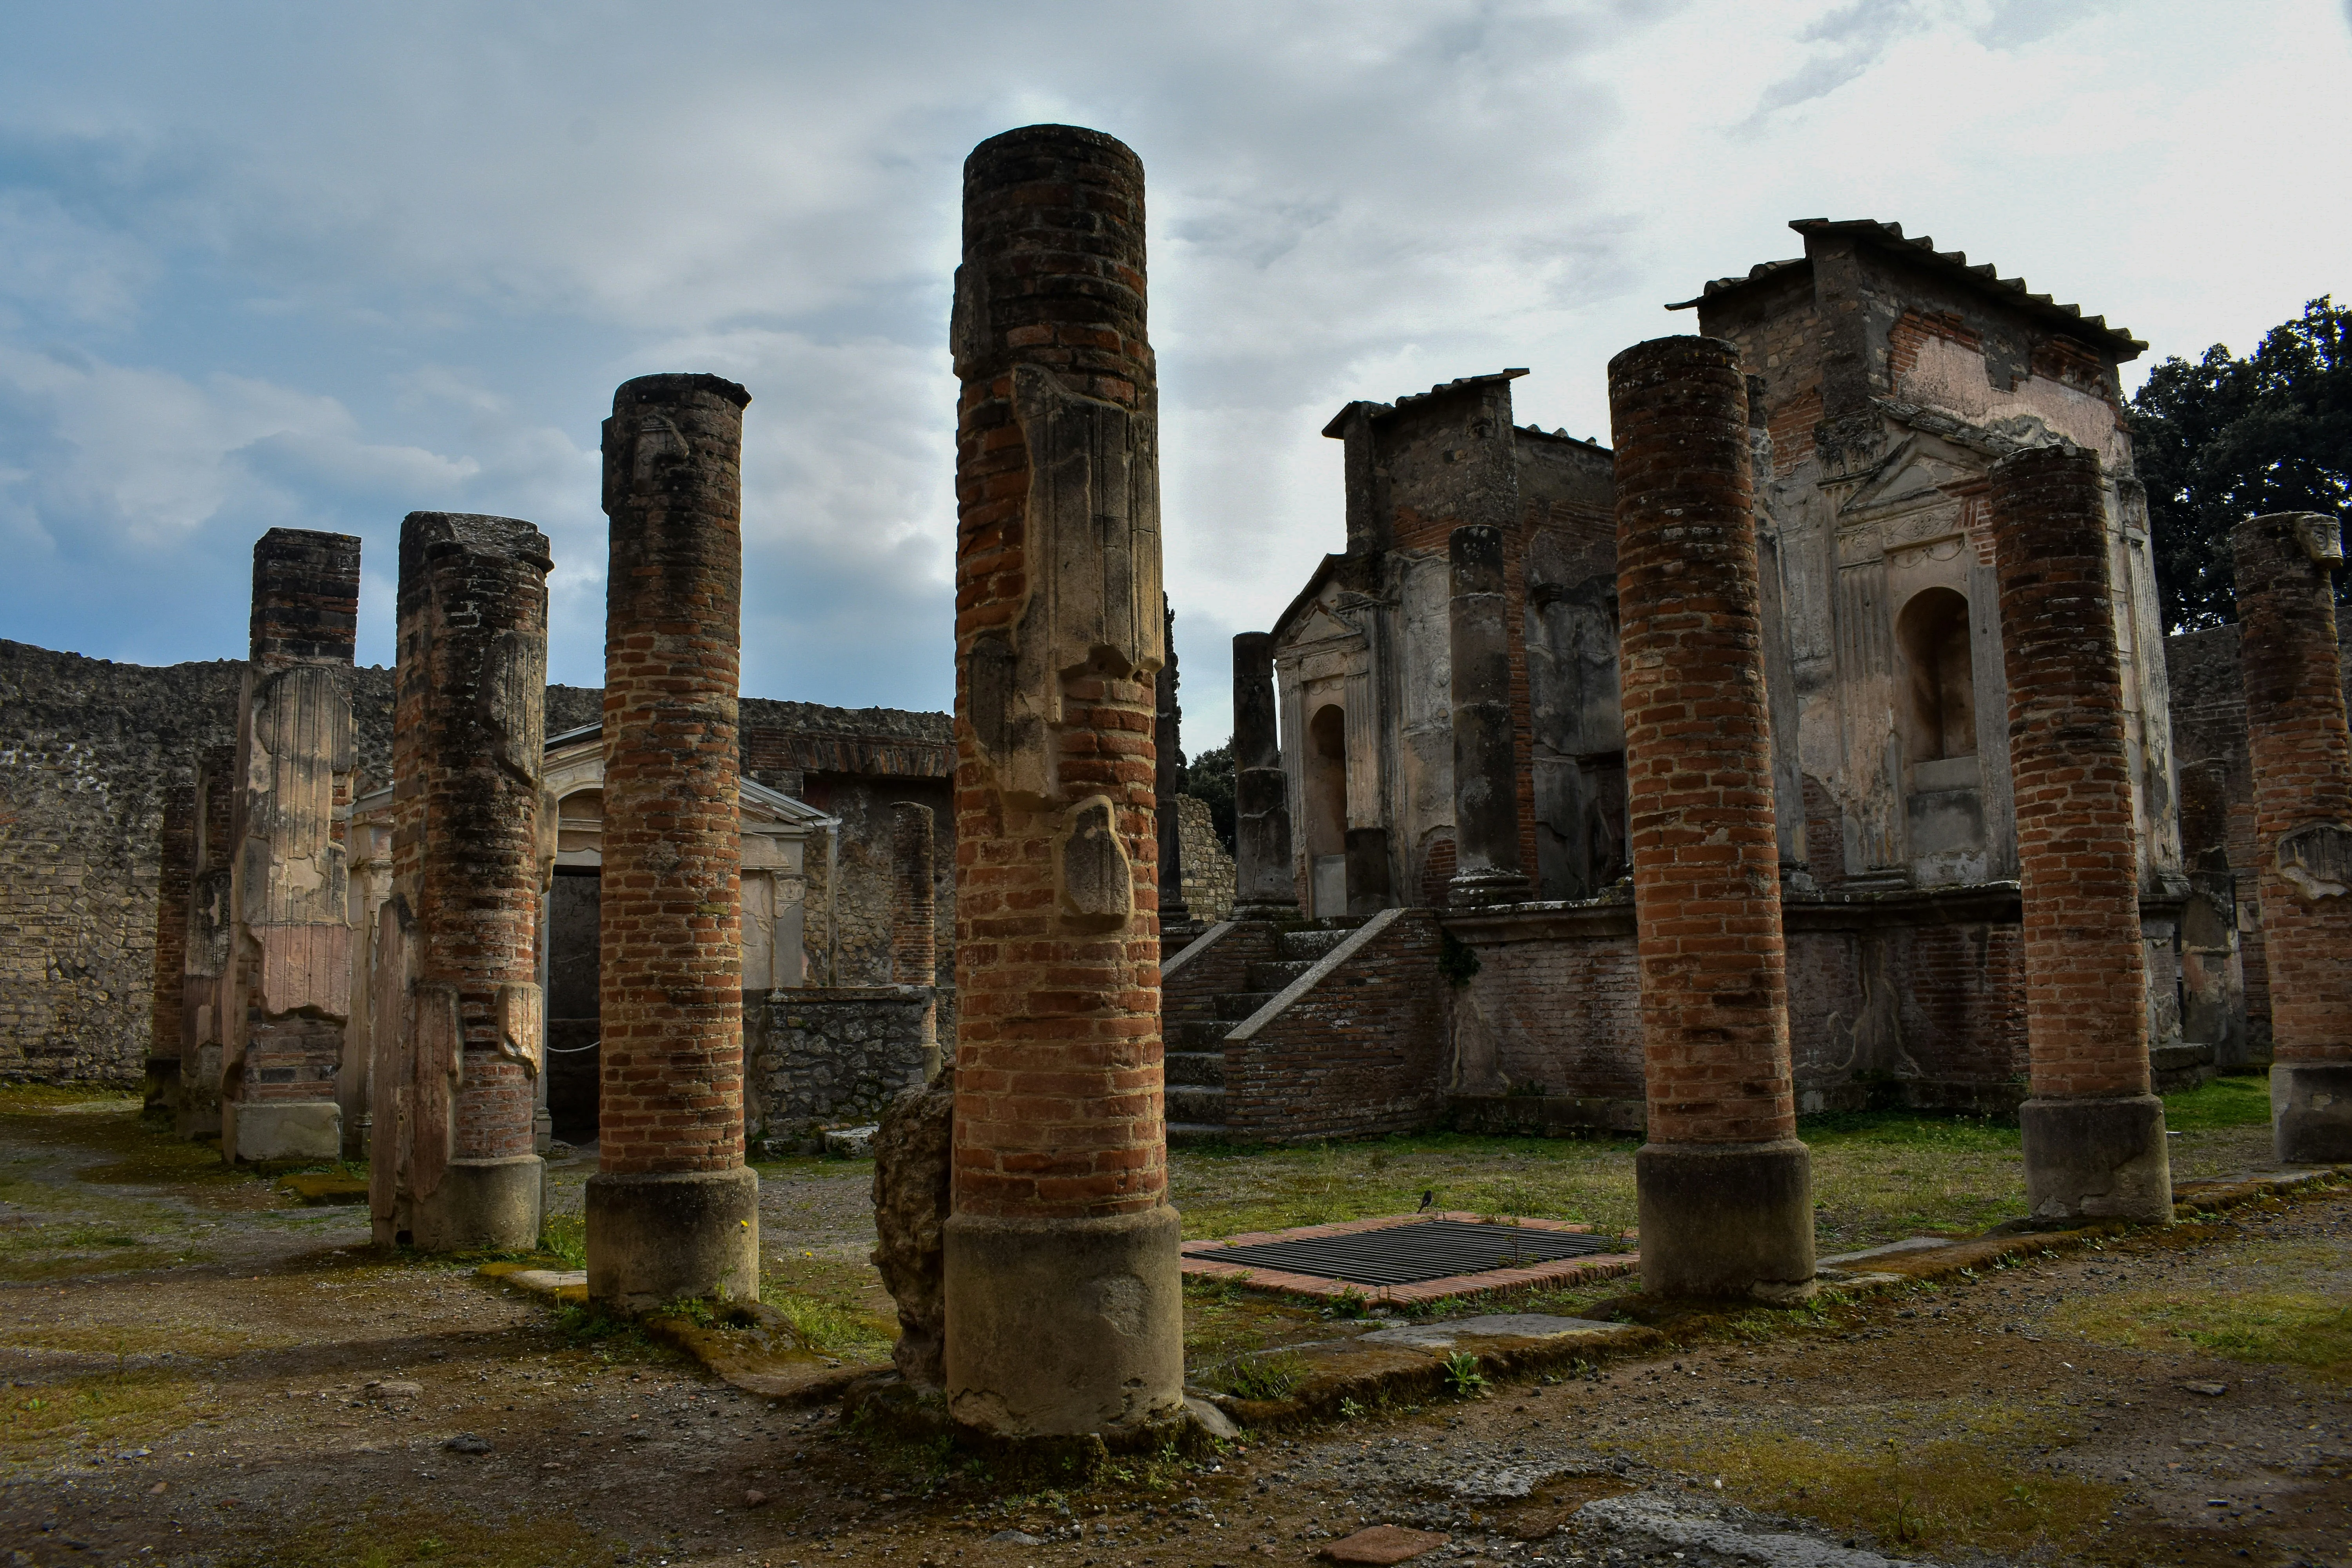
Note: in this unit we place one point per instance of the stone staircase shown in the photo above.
(1195, 1048)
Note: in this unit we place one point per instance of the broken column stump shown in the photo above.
(204, 973)
(912, 1153)
(1486, 862)
(914, 916)
(1724, 1187)
(2093, 1134)
(458, 1056)
(2287, 564)
(672, 1210)
(1265, 884)
(290, 958)
(1064, 1311)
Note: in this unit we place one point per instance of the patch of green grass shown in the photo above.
(34, 1099)
(564, 1236)
(1979, 1491)
(1266, 1376)
(2291, 1328)
(2220, 1102)
(831, 1328)
(381, 1537)
(43, 1419)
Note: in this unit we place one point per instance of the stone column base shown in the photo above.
(1265, 912)
(659, 1238)
(2097, 1159)
(482, 1205)
(1060, 1328)
(1727, 1219)
(269, 1132)
(1482, 889)
(2311, 1111)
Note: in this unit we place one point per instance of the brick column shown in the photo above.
(1725, 1189)
(1486, 866)
(2093, 1134)
(291, 960)
(462, 1053)
(1063, 1314)
(1167, 741)
(203, 975)
(672, 1210)
(914, 915)
(2287, 565)
(176, 873)
(1264, 883)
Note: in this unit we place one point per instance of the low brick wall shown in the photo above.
(1355, 1049)
(832, 1056)
(1218, 963)
(1554, 1010)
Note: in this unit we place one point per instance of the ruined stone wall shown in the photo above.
(87, 749)
(833, 1057)
(854, 886)
(1208, 869)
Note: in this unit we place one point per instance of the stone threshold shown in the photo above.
(746, 1344)
(1200, 1261)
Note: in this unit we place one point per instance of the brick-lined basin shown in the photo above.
(1201, 1261)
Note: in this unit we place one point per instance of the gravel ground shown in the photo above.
(211, 1376)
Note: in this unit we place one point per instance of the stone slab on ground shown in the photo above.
(1384, 1544)
(1515, 1326)
(1729, 1532)
(1908, 1244)
(1203, 1259)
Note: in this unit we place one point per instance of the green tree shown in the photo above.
(2227, 438)
(1209, 777)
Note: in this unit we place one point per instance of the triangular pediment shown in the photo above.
(1321, 625)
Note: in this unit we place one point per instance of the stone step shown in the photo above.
(1200, 1034)
(1187, 1134)
(1239, 1004)
(1310, 944)
(1196, 1102)
(1205, 1068)
(1273, 974)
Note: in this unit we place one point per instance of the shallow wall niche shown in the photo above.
(1940, 712)
(1326, 791)
(1944, 811)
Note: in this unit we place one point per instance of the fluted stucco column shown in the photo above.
(1486, 866)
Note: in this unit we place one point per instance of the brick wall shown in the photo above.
(1361, 1052)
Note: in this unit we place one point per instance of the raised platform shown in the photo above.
(1412, 1257)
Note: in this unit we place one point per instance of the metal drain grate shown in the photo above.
(1409, 1254)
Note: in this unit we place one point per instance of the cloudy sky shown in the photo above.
(318, 266)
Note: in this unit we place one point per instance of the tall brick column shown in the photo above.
(914, 915)
(1486, 867)
(2287, 565)
(461, 1055)
(1265, 885)
(176, 873)
(672, 1210)
(291, 960)
(203, 975)
(1724, 1187)
(1167, 741)
(2093, 1134)
(1064, 1313)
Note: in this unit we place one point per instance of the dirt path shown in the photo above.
(219, 1410)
